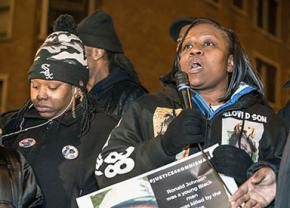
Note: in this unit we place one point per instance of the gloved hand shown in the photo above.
(187, 128)
(231, 161)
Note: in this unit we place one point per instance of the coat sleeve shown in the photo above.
(284, 114)
(31, 195)
(130, 94)
(131, 148)
(271, 145)
(283, 188)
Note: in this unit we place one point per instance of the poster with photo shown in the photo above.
(190, 182)
(243, 134)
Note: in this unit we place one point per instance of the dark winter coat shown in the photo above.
(284, 113)
(283, 187)
(117, 91)
(135, 143)
(17, 182)
(62, 159)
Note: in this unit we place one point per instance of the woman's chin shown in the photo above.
(196, 85)
(47, 115)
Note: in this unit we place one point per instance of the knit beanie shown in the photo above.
(97, 31)
(61, 57)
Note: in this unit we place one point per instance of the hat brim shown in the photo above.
(177, 25)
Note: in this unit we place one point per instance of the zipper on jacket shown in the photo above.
(207, 132)
(80, 192)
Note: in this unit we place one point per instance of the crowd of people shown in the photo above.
(87, 103)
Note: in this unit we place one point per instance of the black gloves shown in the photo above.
(232, 161)
(187, 128)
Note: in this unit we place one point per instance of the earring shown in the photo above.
(73, 110)
(78, 94)
(75, 95)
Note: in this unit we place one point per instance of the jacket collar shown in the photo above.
(243, 89)
(66, 119)
(116, 75)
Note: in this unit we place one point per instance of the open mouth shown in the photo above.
(195, 67)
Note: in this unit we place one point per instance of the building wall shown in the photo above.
(143, 28)
(16, 53)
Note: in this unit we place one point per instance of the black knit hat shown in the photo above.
(176, 26)
(61, 57)
(97, 31)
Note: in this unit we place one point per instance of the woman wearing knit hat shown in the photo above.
(113, 79)
(60, 131)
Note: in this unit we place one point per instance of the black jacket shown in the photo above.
(117, 91)
(17, 182)
(284, 113)
(62, 159)
(6, 117)
(136, 145)
(283, 187)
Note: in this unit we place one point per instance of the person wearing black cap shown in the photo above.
(113, 79)
(60, 130)
(228, 107)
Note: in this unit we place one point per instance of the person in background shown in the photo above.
(283, 188)
(226, 94)
(284, 112)
(18, 186)
(113, 79)
(60, 130)
(5, 118)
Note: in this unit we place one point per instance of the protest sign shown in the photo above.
(189, 182)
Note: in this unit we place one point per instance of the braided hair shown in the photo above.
(122, 61)
(86, 103)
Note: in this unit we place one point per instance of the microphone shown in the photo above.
(183, 88)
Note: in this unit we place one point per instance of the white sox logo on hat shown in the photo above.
(46, 71)
(27, 142)
(70, 152)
